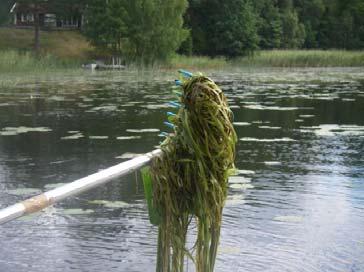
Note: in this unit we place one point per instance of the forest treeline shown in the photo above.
(151, 30)
(237, 27)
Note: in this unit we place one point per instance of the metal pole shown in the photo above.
(46, 199)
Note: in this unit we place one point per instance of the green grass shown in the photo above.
(68, 49)
(15, 61)
(275, 58)
(303, 58)
(196, 62)
(61, 44)
(60, 50)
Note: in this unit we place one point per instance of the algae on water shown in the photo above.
(190, 178)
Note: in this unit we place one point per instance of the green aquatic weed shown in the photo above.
(190, 178)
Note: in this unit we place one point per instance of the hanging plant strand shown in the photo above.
(190, 179)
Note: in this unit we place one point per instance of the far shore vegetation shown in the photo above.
(26, 61)
(69, 50)
(181, 33)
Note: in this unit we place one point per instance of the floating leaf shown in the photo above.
(77, 211)
(143, 130)
(53, 185)
(110, 204)
(272, 163)
(250, 139)
(127, 137)
(24, 191)
(289, 218)
(128, 155)
(241, 124)
(73, 137)
(241, 186)
(98, 137)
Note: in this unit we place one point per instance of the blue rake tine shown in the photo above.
(174, 104)
(168, 124)
(163, 134)
(170, 113)
(185, 73)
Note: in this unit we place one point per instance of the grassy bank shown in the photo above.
(59, 50)
(68, 49)
(61, 44)
(303, 58)
(17, 61)
(276, 58)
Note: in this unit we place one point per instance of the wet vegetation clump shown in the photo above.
(190, 179)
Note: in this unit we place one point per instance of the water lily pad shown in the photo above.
(73, 137)
(110, 204)
(24, 191)
(127, 137)
(53, 185)
(156, 106)
(10, 131)
(29, 217)
(273, 163)
(329, 130)
(241, 186)
(306, 115)
(228, 250)
(250, 139)
(235, 199)
(239, 180)
(268, 127)
(106, 108)
(116, 204)
(128, 155)
(98, 202)
(245, 172)
(241, 124)
(288, 218)
(98, 137)
(143, 130)
(276, 108)
(57, 98)
(77, 211)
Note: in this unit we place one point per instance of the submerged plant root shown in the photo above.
(190, 178)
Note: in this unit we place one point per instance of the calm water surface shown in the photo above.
(296, 205)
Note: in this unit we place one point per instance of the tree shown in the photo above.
(144, 31)
(36, 6)
(42, 6)
(269, 24)
(105, 27)
(293, 31)
(223, 28)
(5, 6)
(310, 13)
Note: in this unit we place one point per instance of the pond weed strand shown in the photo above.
(190, 179)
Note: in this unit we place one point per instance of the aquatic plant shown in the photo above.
(190, 178)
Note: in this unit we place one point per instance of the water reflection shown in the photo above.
(296, 205)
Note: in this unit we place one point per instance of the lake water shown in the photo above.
(297, 203)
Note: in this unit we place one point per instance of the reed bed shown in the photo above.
(275, 58)
(15, 61)
(303, 58)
